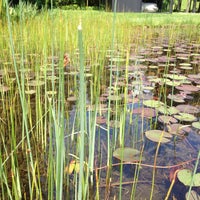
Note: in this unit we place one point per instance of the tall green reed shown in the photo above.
(30, 163)
(82, 112)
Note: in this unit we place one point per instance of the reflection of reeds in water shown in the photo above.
(43, 130)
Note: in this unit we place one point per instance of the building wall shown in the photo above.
(127, 5)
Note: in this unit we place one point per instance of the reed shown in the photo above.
(58, 148)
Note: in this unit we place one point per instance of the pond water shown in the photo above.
(157, 89)
(146, 81)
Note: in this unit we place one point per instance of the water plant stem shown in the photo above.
(82, 113)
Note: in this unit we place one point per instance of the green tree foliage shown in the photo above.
(2, 7)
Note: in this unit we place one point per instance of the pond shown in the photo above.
(144, 99)
(160, 87)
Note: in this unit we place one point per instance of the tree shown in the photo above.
(194, 6)
(2, 7)
(171, 6)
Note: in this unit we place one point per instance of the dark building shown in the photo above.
(127, 5)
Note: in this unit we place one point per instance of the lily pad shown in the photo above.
(145, 112)
(193, 195)
(127, 154)
(168, 110)
(185, 117)
(196, 125)
(185, 177)
(175, 76)
(30, 92)
(166, 119)
(176, 97)
(178, 129)
(158, 136)
(114, 124)
(185, 87)
(188, 109)
(118, 59)
(173, 83)
(152, 103)
(4, 88)
(35, 83)
(51, 92)
(71, 98)
(114, 98)
(101, 120)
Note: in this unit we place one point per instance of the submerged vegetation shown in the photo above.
(121, 120)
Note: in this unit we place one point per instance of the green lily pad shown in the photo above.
(30, 92)
(118, 59)
(114, 98)
(185, 117)
(35, 83)
(152, 103)
(158, 136)
(52, 92)
(196, 125)
(185, 177)
(127, 154)
(193, 195)
(175, 76)
(168, 110)
(173, 83)
(73, 73)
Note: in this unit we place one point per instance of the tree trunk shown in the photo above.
(179, 5)
(188, 6)
(171, 6)
(194, 6)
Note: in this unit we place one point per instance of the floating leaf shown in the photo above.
(74, 166)
(152, 103)
(118, 59)
(52, 92)
(178, 128)
(173, 83)
(114, 124)
(167, 119)
(70, 168)
(191, 88)
(158, 136)
(175, 76)
(30, 92)
(73, 73)
(168, 110)
(88, 75)
(71, 98)
(4, 88)
(176, 97)
(101, 120)
(127, 154)
(193, 195)
(145, 112)
(188, 109)
(196, 125)
(185, 117)
(185, 177)
(35, 83)
(114, 98)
